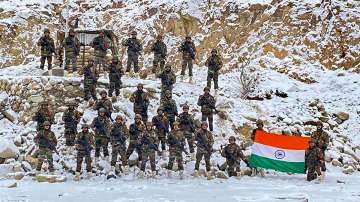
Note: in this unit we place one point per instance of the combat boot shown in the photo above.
(238, 175)
(262, 172)
(193, 156)
(191, 80)
(253, 172)
(125, 169)
(208, 175)
(141, 174)
(181, 174)
(77, 176)
(196, 173)
(182, 78)
(153, 174)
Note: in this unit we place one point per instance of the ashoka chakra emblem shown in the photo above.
(279, 154)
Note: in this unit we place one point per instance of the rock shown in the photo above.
(343, 116)
(35, 99)
(221, 175)
(14, 185)
(245, 130)
(16, 176)
(46, 178)
(17, 167)
(31, 160)
(47, 73)
(113, 99)
(223, 115)
(336, 163)
(18, 141)
(26, 166)
(246, 171)
(9, 116)
(57, 72)
(8, 149)
(349, 170)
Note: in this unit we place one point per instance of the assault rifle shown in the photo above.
(147, 141)
(202, 141)
(173, 141)
(82, 141)
(47, 45)
(160, 125)
(99, 126)
(44, 140)
(117, 135)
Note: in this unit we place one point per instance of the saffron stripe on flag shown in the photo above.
(283, 166)
(278, 153)
(282, 141)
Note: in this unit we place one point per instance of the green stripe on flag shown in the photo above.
(283, 166)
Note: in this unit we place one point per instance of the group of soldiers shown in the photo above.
(168, 128)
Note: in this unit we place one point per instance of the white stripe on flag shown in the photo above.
(278, 153)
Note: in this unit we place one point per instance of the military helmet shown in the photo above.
(259, 122)
(168, 66)
(47, 30)
(207, 89)
(138, 116)
(71, 104)
(160, 109)
(140, 85)
(185, 106)
(168, 92)
(71, 31)
(102, 110)
(232, 138)
(176, 123)
(85, 126)
(149, 124)
(103, 92)
(160, 36)
(119, 117)
(188, 37)
(91, 60)
(204, 123)
(214, 51)
(46, 123)
(133, 33)
(44, 103)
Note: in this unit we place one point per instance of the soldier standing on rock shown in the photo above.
(161, 124)
(187, 126)
(100, 44)
(84, 145)
(170, 108)
(214, 65)
(46, 141)
(141, 102)
(71, 118)
(205, 141)
(115, 74)
(90, 81)
(207, 103)
(159, 49)
(47, 49)
(168, 79)
(101, 124)
(188, 54)
(134, 48)
(322, 141)
(313, 159)
(72, 50)
(42, 115)
(176, 141)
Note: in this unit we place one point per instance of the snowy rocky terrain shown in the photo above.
(308, 50)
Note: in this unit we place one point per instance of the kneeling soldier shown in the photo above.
(233, 154)
(84, 143)
(149, 145)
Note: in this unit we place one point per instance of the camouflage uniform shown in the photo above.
(176, 141)
(205, 141)
(160, 51)
(106, 104)
(187, 127)
(214, 64)
(133, 51)
(71, 118)
(233, 154)
(168, 79)
(188, 54)
(135, 131)
(170, 108)
(46, 141)
(72, 49)
(119, 134)
(313, 160)
(47, 49)
(149, 145)
(207, 103)
(84, 143)
(161, 124)
(90, 81)
(102, 126)
(100, 45)
(141, 103)
(44, 114)
(322, 142)
(115, 79)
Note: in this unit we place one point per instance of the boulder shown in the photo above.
(35, 99)
(349, 170)
(8, 149)
(13, 185)
(343, 116)
(50, 178)
(221, 175)
(57, 72)
(336, 163)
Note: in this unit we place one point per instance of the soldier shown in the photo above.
(101, 125)
(313, 160)
(119, 134)
(176, 141)
(141, 102)
(168, 79)
(161, 124)
(105, 103)
(260, 127)
(207, 103)
(90, 81)
(160, 51)
(46, 141)
(84, 145)
(135, 131)
(47, 49)
(233, 154)
(187, 127)
(72, 50)
(149, 145)
(71, 118)
(115, 77)
(205, 142)
(170, 108)
(214, 64)
(100, 45)
(134, 48)
(42, 115)
(188, 54)
(322, 140)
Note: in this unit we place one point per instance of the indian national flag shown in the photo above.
(279, 152)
